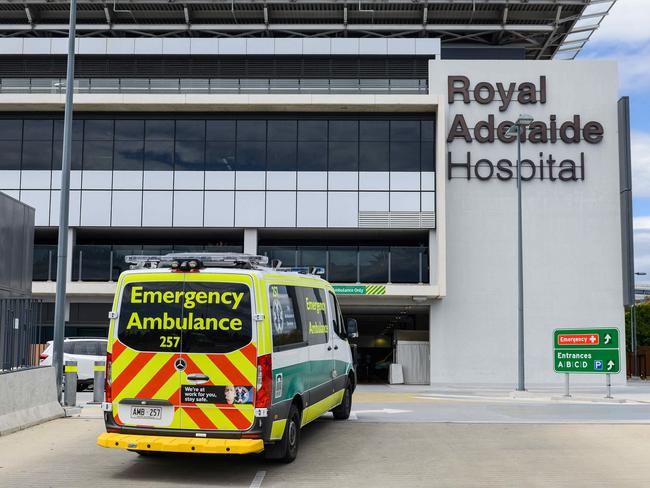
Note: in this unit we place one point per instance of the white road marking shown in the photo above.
(257, 481)
(383, 410)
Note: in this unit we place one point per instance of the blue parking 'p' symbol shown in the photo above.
(598, 364)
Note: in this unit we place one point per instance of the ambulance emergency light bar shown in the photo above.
(188, 261)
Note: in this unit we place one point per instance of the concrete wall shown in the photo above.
(27, 398)
(16, 247)
(571, 230)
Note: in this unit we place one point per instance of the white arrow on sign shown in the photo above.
(608, 338)
(610, 365)
(383, 410)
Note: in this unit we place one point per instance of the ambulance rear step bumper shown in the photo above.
(136, 442)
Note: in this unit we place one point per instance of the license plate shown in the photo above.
(153, 413)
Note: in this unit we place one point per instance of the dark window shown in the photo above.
(251, 130)
(342, 266)
(286, 255)
(282, 130)
(428, 130)
(220, 130)
(77, 130)
(281, 156)
(312, 130)
(10, 151)
(129, 130)
(344, 130)
(313, 313)
(75, 155)
(312, 156)
(337, 317)
(405, 264)
(160, 130)
(98, 130)
(98, 155)
(11, 129)
(404, 130)
(128, 155)
(373, 264)
(373, 130)
(285, 323)
(37, 155)
(37, 130)
(312, 257)
(190, 130)
(373, 156)
(159, 155)
(189, 155)
(404, 156)
(220, 156)
(427, 157)
(251, 156)
(343, 156)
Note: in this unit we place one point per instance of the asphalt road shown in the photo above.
(395, 441)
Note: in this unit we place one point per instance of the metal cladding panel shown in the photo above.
(625, 171)
(16, 247)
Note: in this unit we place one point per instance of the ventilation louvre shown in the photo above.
(397, 220)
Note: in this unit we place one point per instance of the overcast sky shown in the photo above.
(624, 35)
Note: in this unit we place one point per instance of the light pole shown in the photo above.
(62, 249)
(635, 359)
(515, 129)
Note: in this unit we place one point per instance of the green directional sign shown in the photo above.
(586, 350)
(359, 289)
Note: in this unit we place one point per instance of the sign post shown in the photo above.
(592, 351)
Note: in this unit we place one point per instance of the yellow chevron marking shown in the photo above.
(244, 366)
(142, 377)
(123, 361)
(186, 421)
(207, 367)
(218, 418)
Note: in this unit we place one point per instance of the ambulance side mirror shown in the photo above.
(353, 328)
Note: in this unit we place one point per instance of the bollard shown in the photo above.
(98, 381)
(70, 375)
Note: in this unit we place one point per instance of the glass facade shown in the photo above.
(314, 142)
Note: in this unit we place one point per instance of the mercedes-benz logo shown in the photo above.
(180, 364)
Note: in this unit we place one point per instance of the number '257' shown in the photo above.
(169, 341)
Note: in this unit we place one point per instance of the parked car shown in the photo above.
(84, 350)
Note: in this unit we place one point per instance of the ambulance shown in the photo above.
(222, 353)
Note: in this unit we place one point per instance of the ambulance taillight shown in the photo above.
(264, 382)
(107, 382)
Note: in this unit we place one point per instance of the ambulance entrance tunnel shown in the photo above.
(389, 333)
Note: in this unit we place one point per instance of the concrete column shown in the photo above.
(250, 241)
(433, 258)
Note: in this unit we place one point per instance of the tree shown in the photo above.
(642, 325)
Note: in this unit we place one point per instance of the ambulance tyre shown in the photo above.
(145, 453)
(286, 450)
(342, 412)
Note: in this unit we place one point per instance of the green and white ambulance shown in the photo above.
(221, 353)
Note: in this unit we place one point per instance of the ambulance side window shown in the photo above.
(313, 313)
(285, 322)
(337, 318)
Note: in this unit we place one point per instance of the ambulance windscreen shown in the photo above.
(191, 317)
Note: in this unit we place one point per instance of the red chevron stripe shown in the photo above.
(175, 398)
(159, 379)
(118, 348)
(238, 419)
(200, 418)
(130, 372)
(250, 351)
(229, 370)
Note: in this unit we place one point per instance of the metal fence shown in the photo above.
(20, 333)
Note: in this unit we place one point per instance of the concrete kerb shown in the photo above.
(27, 398)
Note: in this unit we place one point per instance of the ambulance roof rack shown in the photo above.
(197, 260)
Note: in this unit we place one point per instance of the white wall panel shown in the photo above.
(9, 179)
(188, 209)
(12, 193)
(312, 180)
(219, 180)
(280, 209)
(148, 45)
(120, 45)
(343, 180)
(402, 201)
(35, 179)
(249, 209)
(75, 179)
(250, 180)
(204, 45)
(404, 180)
(157, 209)
(288, 45)
(428, 181)
(428, 201)
(188, 180)
(127, 209)
(96, 208)
(91, 45)
(74, 211)
(40, 200)
(373, 201)
(312, 209)
(127, 180)
(374, 180)
(281, 180)
(158, 180)
(342, 209)
(176, 46)
(96, 180)
(219, 209)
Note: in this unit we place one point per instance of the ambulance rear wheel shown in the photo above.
(287, 449)
(342, 412)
